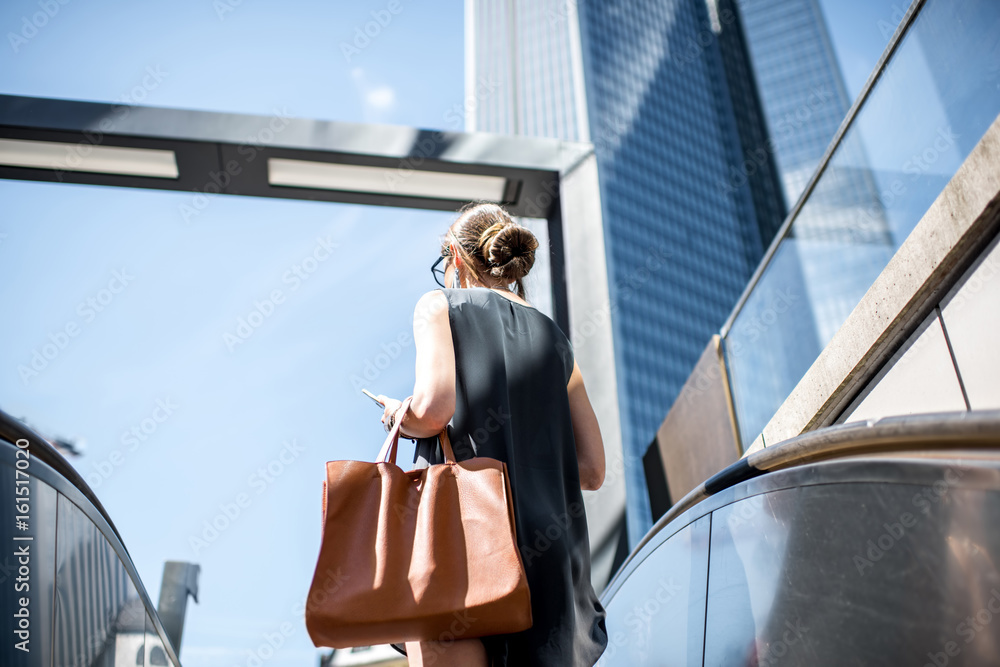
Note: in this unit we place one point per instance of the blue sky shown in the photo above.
(169, 290)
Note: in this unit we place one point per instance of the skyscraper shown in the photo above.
(529, 52)
(658, 108)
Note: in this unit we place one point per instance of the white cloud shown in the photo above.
(376, 98)
(380, 98)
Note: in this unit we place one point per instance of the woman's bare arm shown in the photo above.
(589, 444)
(434, 387)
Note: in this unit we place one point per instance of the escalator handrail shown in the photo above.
(952, 430)
(13, 430)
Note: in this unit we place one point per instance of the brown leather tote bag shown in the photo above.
(425, 555)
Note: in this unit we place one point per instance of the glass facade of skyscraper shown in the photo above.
(661, 117)
(800, 84)
(662, 120)
(527, 54)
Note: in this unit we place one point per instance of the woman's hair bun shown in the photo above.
(509, 250)
(498, 247)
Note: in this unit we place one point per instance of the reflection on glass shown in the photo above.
(156, 656)
(933, 102)
(831, 573)
(749, 545)
(100, 620)
(772, 342)
(656, 616)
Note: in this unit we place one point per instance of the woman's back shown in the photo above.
(512, 365)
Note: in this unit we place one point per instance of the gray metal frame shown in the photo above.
(205, 143)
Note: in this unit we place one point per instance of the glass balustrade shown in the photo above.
(935, 97)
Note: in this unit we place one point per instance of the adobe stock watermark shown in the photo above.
(894, 531)
(230, 511)
(793, 633)
(495, 419)
(888, 28)
(30, 26)
(131, 440)
(372, 367)
(20, 520)
(556, 15)
(692, 48)
(223, 7)
(431, 143)
(872, 217)
(785, 128)
(151, 80)
(87, 310)
(461, 622)
(220, 180)
(329, 583)
(485, 88)
(596, 319)
(295, 276)
(967, 630)
(778, 302)
(542, 540)
(744, 513)
(268, 646)
(639, 616)
(983, 275)
(364, 35)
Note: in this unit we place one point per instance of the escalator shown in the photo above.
(68, 587)
(858, 544)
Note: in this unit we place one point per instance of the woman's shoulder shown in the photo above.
(434, 303)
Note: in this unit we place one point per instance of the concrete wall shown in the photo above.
(952, 362)
(593, 347)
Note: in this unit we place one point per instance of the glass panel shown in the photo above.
(656, 616)
(100, 620)
(156, 656)
(934, 101)
(28, 562)
(772, 342)
(834, 574)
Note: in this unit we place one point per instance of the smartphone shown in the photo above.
(373, 397)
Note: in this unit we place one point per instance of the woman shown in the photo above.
(502, 376)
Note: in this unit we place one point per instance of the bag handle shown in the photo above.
(388, 452)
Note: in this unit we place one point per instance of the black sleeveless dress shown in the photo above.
(512, 365)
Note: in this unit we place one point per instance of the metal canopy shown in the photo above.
(544, 178)
(229, 153)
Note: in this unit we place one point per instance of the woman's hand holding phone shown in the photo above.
(390, 407)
